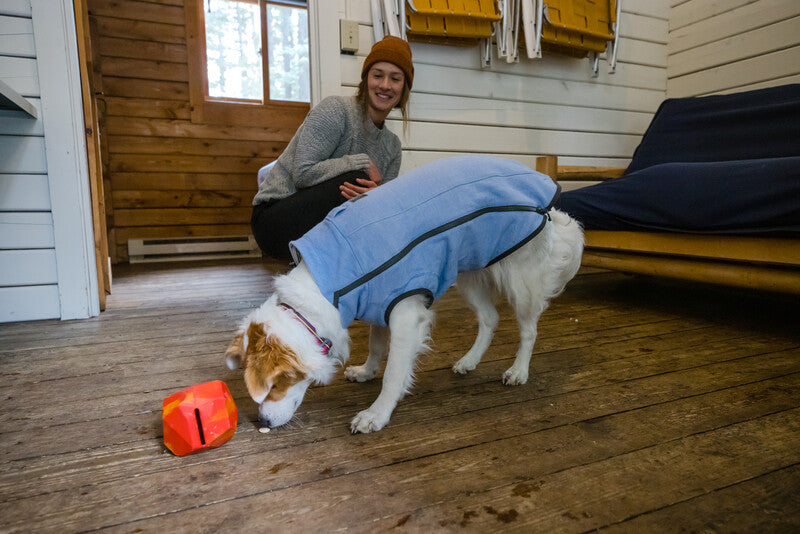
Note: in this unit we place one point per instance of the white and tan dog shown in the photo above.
(299, 335)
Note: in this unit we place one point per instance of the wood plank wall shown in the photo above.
(165, 175)
(534, 107)
(28, 274)
(738, 45)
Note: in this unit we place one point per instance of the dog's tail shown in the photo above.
(567, 247)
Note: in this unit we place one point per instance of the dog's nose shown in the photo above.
(264, 421)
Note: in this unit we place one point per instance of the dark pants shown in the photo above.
(277, 222)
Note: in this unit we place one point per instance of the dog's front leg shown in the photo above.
(410, 325)
(378, 345)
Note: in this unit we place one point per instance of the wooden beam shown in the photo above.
(785, 280)
(751, 249)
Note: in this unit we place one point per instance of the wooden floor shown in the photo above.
(652, 406)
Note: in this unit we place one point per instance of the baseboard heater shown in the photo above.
(192, 248)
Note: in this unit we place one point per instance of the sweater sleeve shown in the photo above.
(393, 167)
(325, 129)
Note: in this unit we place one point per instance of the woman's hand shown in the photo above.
(374, 173)
(362, 185)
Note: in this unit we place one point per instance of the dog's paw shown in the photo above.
(367, 421)
(358, 373)
(464, 366)
(515, 377)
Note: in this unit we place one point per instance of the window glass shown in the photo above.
(233, 49)
(287, 41)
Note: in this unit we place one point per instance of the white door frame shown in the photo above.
(65, 147)
(324, 54)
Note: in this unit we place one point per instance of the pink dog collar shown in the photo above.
(325, 343)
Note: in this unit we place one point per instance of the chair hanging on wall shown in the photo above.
(576, 28)
(450, 22)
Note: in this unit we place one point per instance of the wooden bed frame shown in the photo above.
(764, 263)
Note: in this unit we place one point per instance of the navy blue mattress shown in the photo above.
(727, 164)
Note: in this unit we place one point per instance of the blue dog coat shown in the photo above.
(413, 235)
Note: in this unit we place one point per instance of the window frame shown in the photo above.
(231, 111)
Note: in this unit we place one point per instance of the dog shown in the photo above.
(485, 223)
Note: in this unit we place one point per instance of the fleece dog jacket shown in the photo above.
(414, 234)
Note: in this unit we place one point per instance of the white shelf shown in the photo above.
(10, 99)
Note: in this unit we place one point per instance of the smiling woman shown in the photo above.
(341, 150)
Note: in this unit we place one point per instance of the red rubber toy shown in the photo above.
(199, 417)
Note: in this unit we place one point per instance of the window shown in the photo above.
(232, 80)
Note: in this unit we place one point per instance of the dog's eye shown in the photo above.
(275, 395)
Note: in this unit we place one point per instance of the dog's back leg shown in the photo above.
(528, 318)
(478, 293)
(410, 324)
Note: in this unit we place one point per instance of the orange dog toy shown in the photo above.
(199, 417)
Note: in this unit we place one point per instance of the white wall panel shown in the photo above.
(22, 154)
(691, 11)
(16, 8)
(730, 23)
(24, 192)
(508, 140)
(771, 83)
(32, 230)
(456, 81)
(27, 267)
(733, 76)
(19, 73)
(16, 37)
(516, 113)
(650, 8)
(29, 303)
(550, 66)
(15, 122)
(529, 108)
(741, 47)
(65, 139)
(723, 47)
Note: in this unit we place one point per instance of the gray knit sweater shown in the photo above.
(334, 138)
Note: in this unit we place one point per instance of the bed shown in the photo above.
(712, 194)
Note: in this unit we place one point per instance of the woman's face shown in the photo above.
(384, 87)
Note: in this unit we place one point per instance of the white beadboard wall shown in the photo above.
(534, 107)
(732, 45)
(28, 273)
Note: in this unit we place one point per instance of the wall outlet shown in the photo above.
(348, 36)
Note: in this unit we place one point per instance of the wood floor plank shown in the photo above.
(488, 422)
(596, 494)
(611, 469)
(111, 387)
(766, 503)
(650, 403)
(92, 349)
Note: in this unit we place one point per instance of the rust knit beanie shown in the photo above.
(394, 50)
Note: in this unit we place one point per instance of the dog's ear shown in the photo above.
(269, 364)
(257, 369)
(235, 353)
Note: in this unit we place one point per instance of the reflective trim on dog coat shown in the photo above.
(414, 234)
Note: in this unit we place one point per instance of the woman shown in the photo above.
(341, 150)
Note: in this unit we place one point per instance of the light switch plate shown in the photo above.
(348, 36)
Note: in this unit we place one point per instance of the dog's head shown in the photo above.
(280, 360)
